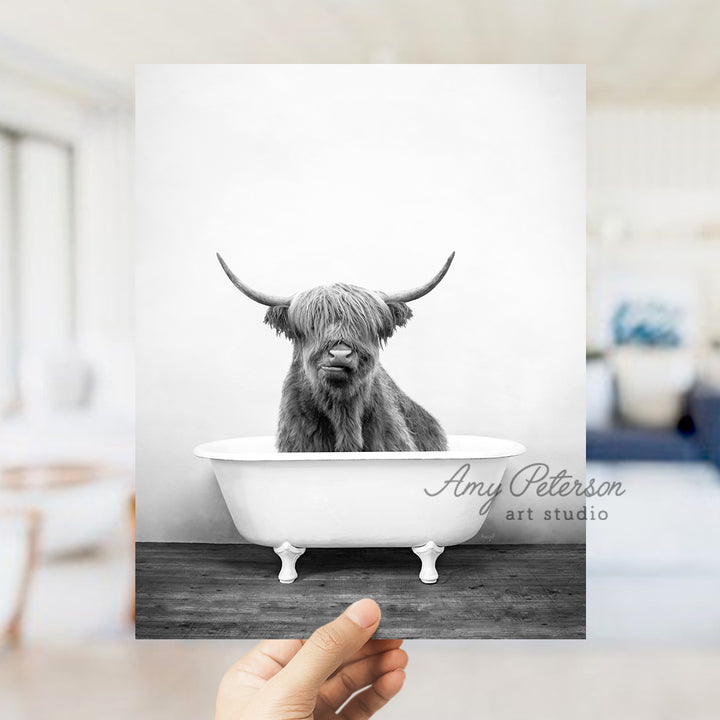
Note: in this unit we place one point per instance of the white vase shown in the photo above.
(652, 383)
(599, 394)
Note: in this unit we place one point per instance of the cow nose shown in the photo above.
(340, 352)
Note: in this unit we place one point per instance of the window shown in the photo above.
(37, 265)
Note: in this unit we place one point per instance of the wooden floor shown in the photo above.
(484, 591)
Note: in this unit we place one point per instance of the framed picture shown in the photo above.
(360, 348)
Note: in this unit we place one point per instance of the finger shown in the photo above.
(328, 648)
(263, 662)
(281, 651)
(358, 675)
(374, 647)
(243, 679)
(365, 704)
(390, 642)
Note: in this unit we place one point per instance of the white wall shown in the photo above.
(653, 211)
(302, 175)
(105, 256)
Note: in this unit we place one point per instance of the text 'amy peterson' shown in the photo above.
(534, 477)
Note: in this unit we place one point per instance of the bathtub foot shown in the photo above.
(428, 554)
(288, 554)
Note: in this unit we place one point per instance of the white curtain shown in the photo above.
(45, 262)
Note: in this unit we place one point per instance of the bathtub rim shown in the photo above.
(213, 451)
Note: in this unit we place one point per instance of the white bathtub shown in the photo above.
(294, 501)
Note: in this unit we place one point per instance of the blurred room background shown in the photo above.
(66, 355)
(653, 368)
(653, 333)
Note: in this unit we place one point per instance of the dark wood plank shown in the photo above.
(187, 590)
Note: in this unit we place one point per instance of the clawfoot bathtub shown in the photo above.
(420, 500)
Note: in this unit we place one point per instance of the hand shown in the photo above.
(312, 679)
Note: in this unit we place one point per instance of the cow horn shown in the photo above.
(418, 292)
(258, 297)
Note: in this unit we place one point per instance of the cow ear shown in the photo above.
(401, 313)
(277, 318)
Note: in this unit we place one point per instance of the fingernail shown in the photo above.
(364, 613)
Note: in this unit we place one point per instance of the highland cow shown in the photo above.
(337, 396)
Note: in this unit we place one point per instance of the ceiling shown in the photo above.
(645, 51)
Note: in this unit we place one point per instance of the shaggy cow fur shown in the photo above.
(345, 400)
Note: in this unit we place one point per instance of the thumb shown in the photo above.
(328, 648)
